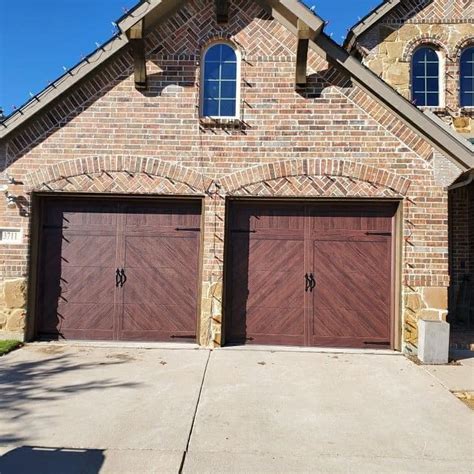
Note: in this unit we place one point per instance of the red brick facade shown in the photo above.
(329, 140)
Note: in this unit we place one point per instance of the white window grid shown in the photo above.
(471, 77)
(220, 80)
(425, 92)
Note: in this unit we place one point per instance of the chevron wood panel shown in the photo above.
(268, 296)
(267, 280)
(84, 242)
(351, 301)
(161, 289)
(77, 294)
(161, 261)
(350, 255)
(88, 250)
(347, 248)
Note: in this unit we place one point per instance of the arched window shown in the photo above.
(220, 88)
(467, 77)
(425, 77)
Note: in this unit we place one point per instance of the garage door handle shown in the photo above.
(123, 277)
(308, 282)
(312, 282)
(117, 278)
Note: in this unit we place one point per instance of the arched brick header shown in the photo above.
(129, 173)
(462, 45)
(438, 41)
(216, 37)
(347, 170)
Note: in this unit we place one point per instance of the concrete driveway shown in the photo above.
(108, 409)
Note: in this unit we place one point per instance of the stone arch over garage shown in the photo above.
(315, 178)
(118, 174)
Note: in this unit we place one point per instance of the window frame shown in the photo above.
(441, 76)
(238, 57)
(464, 50)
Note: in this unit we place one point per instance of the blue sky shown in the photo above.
(39, 37)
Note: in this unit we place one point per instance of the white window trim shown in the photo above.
(465, 107)
(441, 76)
(237, 80)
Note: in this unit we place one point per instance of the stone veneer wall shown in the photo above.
(13, 308)
(387, 49)
(330, 140)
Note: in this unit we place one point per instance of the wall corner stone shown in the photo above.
(12, 309)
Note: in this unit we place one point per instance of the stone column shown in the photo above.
(213, 270)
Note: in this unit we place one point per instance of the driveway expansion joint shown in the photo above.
(183, 460)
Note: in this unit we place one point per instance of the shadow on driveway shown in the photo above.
(24, 384)
(41, 460)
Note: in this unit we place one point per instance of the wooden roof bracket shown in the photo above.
(304, 34)
(137, 41)
(222, 11)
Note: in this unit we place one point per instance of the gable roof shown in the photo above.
(368, 21)
(287, 12)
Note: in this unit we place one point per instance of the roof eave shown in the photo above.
(48, 96)
(445, 141)
(72, 77)
(287, 12)
(368, 21)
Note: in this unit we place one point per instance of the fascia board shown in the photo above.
(61, 85)
(445, 142)
(368, 21)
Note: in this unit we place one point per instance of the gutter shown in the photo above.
(461, 184)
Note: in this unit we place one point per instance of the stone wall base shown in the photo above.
(427, 303)
(422, 303)
(13, 309)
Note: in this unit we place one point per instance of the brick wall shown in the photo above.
(329, 140)
(461, 237)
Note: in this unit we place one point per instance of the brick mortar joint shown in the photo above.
(84, 167)
(342, 167)
(384, 127)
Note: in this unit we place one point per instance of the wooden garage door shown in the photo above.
(314, 274)
(119, 270)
